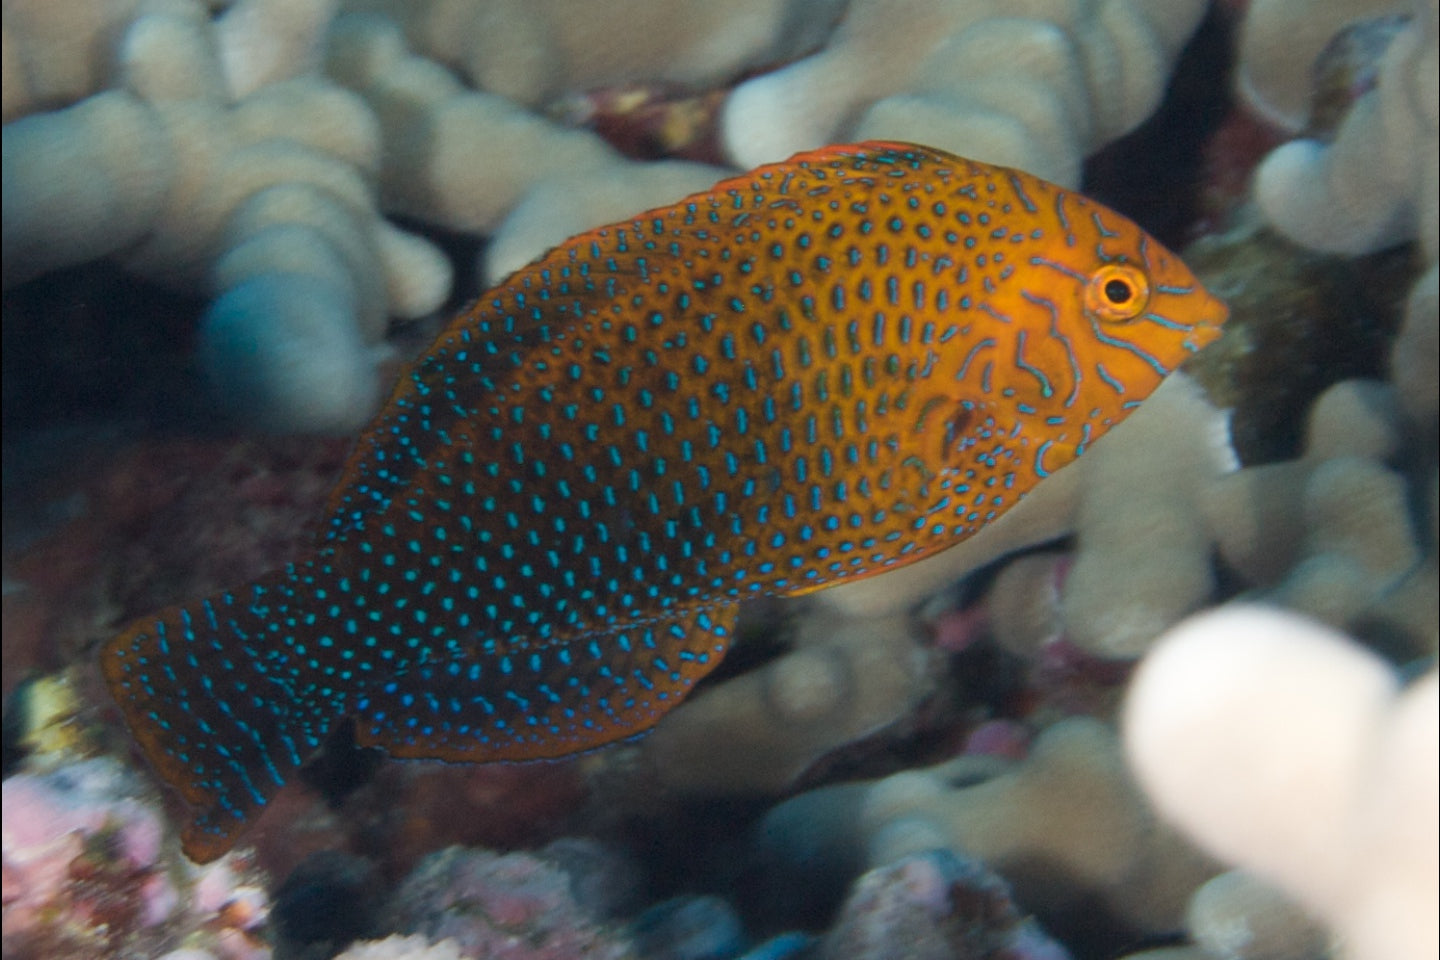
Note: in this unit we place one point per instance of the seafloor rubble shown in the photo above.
(1179, 704)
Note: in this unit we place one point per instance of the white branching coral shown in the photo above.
(1287, 748)
(1036, 85)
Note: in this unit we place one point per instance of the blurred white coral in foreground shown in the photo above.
(1285, 747)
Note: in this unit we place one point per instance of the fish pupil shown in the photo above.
(1117, 291)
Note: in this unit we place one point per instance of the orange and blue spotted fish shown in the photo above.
(816, 371)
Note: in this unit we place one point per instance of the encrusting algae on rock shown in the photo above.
(817, 371)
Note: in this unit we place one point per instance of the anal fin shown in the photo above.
(539, 700)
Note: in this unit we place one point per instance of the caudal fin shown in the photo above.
(216, 695)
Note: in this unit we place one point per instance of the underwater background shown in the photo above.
(1181, 703)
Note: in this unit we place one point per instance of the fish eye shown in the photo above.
(1117, 292)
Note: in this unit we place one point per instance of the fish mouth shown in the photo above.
(1216, 312)
(1208, 323)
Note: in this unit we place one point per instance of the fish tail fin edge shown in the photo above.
(213, 703)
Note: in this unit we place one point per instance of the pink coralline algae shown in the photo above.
(85, 874)
(934, 906)
(79, 861)
(501, 907)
